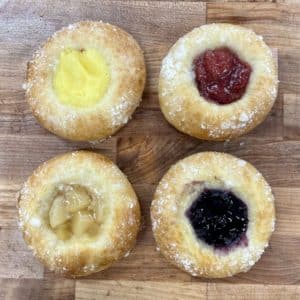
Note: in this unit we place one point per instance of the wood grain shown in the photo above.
(16, 260)
(33, 150)
(148, 146)
(146, 159)
(138, 290)
(34, 289)
(153, 290)
(244, 292)
(291, 116)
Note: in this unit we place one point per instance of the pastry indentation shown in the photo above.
(74, 212)
(221, 76)
(81, 77)
(219, 218)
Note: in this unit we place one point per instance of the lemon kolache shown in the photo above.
(86, 81)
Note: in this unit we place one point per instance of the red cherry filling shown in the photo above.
(221, 76)
(219, 218)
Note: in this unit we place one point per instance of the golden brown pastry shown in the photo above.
(212, 215)
(79, 213)
(217, 82)
(85, 82)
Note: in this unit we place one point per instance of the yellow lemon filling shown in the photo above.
(81, 77)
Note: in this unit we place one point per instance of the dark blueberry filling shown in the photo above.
(219, 218)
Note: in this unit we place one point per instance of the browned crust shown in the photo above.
(189, 112)
(121, 225)
(128, 74)
(173, 233)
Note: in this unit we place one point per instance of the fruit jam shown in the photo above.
(219, 218)
(221, 76)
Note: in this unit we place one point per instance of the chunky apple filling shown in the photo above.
(74, 212)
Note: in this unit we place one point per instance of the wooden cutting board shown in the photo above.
(146, 148)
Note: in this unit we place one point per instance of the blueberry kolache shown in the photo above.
(78, 213)
(86, 81)
(212, 215)
(217, 82)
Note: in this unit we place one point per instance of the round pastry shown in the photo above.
(86, 81)
(217, 82)
(78, 213)
(212, 215)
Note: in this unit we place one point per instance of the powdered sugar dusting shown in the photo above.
(127, 254)
(241, 163)
(72, 27)
(89, 268)
(244, 117)
(170, 68)
(119, 112)
(35, 222)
